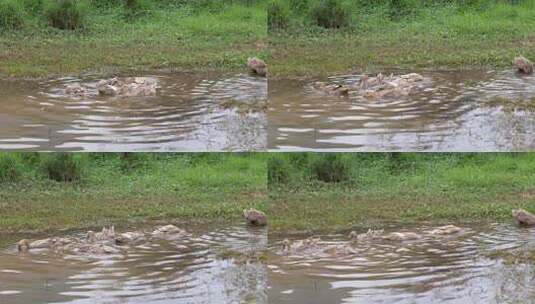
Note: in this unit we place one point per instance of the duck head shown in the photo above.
(91, 236)
(286, 245)
(23, 245)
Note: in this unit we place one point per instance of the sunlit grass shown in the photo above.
(439, 37)
(168, 39)
(405, 188)
(180, 187)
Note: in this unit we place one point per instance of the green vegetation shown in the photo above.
(377, 189)
(44, 38)
(11, 15)
(319, 37)
(98, 189)
(66, 14)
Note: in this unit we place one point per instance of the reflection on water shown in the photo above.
(192, 270)
(185, 116)
(454, 269)
(452, 115)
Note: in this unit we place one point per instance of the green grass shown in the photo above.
(401, 188)
(170, 187)
(437, 37)
(171, 38)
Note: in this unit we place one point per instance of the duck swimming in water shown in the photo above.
(369, 235)
(129, 87)
(75, 89)
(168, 232)
(445, 230)
(23, 245)
(375, 88)
(107, 234)
(402, 236)
(129, 237)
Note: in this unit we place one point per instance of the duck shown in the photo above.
(75, 89)
(43, 244)
(286, 246)
(523, 217)
(168, 232)
(445, 230)
(91, 248)
(23, 246)
(331, 89)
(107, 234)
(130, 87)
(257, 66)
(255, 217)
(369, 235)
(402, 236)
(363, 85)
(523, 65)
(138, 86)
(339, 250)
(129, 237)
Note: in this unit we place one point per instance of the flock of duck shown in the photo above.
(140, 86)
(315, 246)
(108, 241)
(376, 87)
(380, 87)
(373, 88)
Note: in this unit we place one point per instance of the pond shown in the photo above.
(459, 111)
(211, 265)
(190, 112)
(487, 263)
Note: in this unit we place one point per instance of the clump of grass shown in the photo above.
(33, 6)
(278, 171)
(403, 8)
(165, 186)
(134, 9)
(12, 15)
(330, 14)
(63, 167)
(133, 161)
(66, 14)
(11, 167)
(402, 188)
(175, 38)
(278, 15)
(330, 168)
(299, 5)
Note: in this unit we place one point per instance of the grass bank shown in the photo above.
(114, 188)
(171, 35)
(332, 192)
(426, 35)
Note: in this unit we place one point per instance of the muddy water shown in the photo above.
(190, 113)
(460, 269)
(193, 270)
(455, 113)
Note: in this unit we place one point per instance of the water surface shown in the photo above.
(190, 113)
(194, 270)
(468, 268)
(456, 113)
